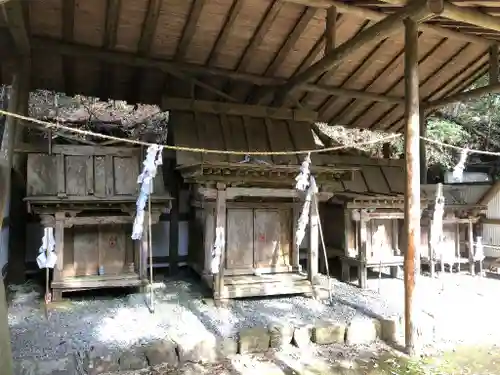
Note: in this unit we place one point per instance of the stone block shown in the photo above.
(162, 352)
(325, 333)
(391, 330)
(203, 351)
(362, 330)
(25, 367)
(254, 340)
(226, 347)
(281, 335)
(60, 366)
(302, 336)
(100, 361)
(132, 360)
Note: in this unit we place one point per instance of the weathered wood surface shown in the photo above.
(87, 173)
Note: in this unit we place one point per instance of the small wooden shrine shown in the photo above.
(363, 221)
(88, 194)
(462, 225)
(251, 200)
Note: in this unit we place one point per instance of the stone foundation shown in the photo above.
(360, 330)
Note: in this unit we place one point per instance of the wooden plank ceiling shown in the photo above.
(137, 50)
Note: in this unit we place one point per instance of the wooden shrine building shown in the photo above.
(380, 65)
(462, 224)
(252, 199)
(88, 194)
(363, 220)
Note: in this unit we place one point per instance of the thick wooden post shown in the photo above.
(412, 186)
(313, 256)
(363, 250)
(220, 224)
(6, 154)
(472, 263)
(423, 153)
(330, 30)
(173, 253)
(16, 186)
(493, 64)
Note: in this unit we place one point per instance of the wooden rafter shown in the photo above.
(68, 30)
(467, 15)
(460, 85)
(374, 15)
(14, 16)
(435, 74)
(109, 42)
(356, 121)
(382, 29)
(304, 64)
(330, 30)
(325, 77)
(189, 28)
(146, 40)
(367, 62)
(224, 34)
(255, 42)
(395, 63)
(290, 42)
(177, 69)
(460, 52)
(181, 104)
(463, 96)
(493, 61)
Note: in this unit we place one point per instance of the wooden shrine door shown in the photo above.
(258, 238)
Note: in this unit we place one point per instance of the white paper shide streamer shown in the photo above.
(305, 182)
(47, 257)
(151, 163)
(458, 171)
(217, 250)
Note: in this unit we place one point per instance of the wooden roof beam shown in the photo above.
(456, 13)
(146, 40)
(463, 96)
(13, 13)
(109, 42)
(373, 15)
(50, 46)
(179, 104)
(381, 30)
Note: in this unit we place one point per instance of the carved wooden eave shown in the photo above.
(239, 174)
(48, 207)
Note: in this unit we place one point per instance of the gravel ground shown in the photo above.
(459, 307)
(181, 313)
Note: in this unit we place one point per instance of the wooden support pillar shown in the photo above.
(348, 230)
(59, 250)
(14, 133)
(313, 253)
(173, 245)
(423, 152)
(412, 185)
(295, 247)
(7, 150)
(144, 247)
(471, 248)
(395, 246)
(330, 29)
(220, 224)
(363, 250)
(493, 64)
